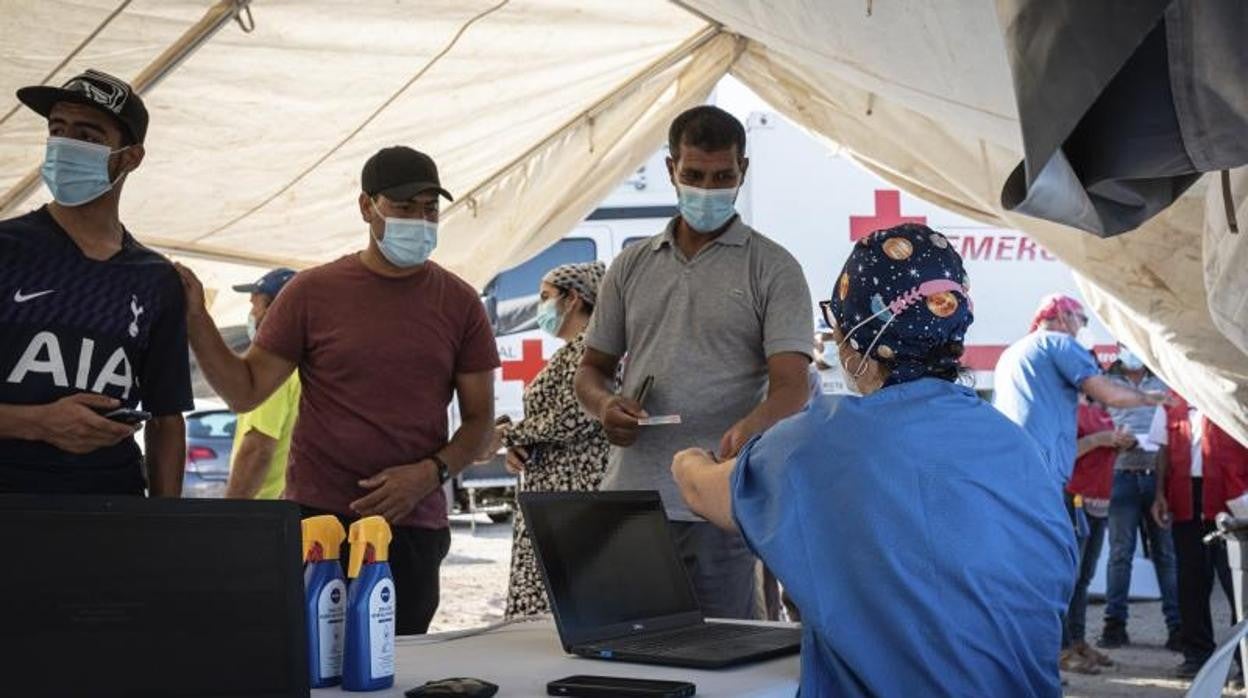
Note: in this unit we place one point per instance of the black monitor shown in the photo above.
(125, 596)
(609, 563)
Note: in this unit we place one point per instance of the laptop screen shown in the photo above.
(609, 560)
(137, 597)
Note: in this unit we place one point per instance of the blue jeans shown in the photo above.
(1129, 507)
(1090, 552)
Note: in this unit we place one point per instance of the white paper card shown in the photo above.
(659, 420)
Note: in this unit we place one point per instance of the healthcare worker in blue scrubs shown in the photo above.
(1038, 380)
(917, 529)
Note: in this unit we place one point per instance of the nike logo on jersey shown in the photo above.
(20, 297)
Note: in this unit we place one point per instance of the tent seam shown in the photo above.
(73, 54)
(429, 65)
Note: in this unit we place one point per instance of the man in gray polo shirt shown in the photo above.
(721, 317)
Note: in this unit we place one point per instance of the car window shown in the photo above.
(211, 425)
(630, 241)
(522, 281)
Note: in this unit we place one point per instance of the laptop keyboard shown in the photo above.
(684, 640)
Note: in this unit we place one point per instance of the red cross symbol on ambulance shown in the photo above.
(528, 366)
(887, 215)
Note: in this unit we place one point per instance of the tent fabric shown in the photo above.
(1122, 104)
(1146, 286)
(1226, 256)
(535, 108)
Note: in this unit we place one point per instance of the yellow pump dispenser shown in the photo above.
(322, 538)
(370, 542)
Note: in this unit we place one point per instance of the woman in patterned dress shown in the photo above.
(557, 447)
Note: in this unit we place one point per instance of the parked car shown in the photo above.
(209, 441)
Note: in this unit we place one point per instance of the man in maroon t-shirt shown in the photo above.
(381, 339)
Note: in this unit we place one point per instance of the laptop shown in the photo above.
(620, 592)
(126, 596)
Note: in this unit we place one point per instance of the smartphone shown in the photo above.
(607, 686)
(128, 416)
(643, 391)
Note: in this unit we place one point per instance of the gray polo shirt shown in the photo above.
(1138, 421)
(704, 328)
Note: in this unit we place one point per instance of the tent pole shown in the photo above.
(220, 254)
(213, 20)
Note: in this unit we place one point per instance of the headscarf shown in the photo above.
(901, 299)
(583, 278)
(1052, 307)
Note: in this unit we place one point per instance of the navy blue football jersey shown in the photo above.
(71, 324)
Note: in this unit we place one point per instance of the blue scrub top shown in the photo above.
(1037, 385)
(920, 534)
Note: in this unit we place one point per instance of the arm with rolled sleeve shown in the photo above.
(788, 325)
(1079, 368)
(606, 340)
(1073, 361)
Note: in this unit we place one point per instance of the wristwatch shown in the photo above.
(444, 470)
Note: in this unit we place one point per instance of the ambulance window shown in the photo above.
(630, 241)
(521, 281)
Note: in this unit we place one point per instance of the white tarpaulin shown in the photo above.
(535, 108)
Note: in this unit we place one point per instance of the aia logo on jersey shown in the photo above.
(43, 356)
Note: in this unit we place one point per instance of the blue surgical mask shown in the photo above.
(75, 171)
(408, 242)
(548, 317)
(1130, 361)
(251, 328)
(706, 210)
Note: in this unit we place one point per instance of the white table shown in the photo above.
(522, 658)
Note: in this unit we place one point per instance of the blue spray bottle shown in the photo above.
(368, 664)
(326, 590)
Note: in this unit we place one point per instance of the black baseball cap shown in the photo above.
(93, 88)
(400, 173)
(270, 284)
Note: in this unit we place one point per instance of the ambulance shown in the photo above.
(814, 200)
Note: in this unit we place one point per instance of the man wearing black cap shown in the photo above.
(262, 436)
(90, 320)
(382, 339)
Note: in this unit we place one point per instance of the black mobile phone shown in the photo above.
(606, 686)
(643, 391)
(128, 416)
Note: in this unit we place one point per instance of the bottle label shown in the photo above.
(331, 614)
(381, 629)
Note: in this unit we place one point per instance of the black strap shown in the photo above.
(1229, 202)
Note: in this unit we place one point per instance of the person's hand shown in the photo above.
(496, 443)
(1123, 440)
(1104, 439)
(396, 491)
(688, 460)
(1161, 511)
(619, 419)
(196, 306)
(73, 423)
(1157, 397)
(733, 439)
(517, 458)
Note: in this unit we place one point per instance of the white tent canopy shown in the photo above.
(535, 108)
